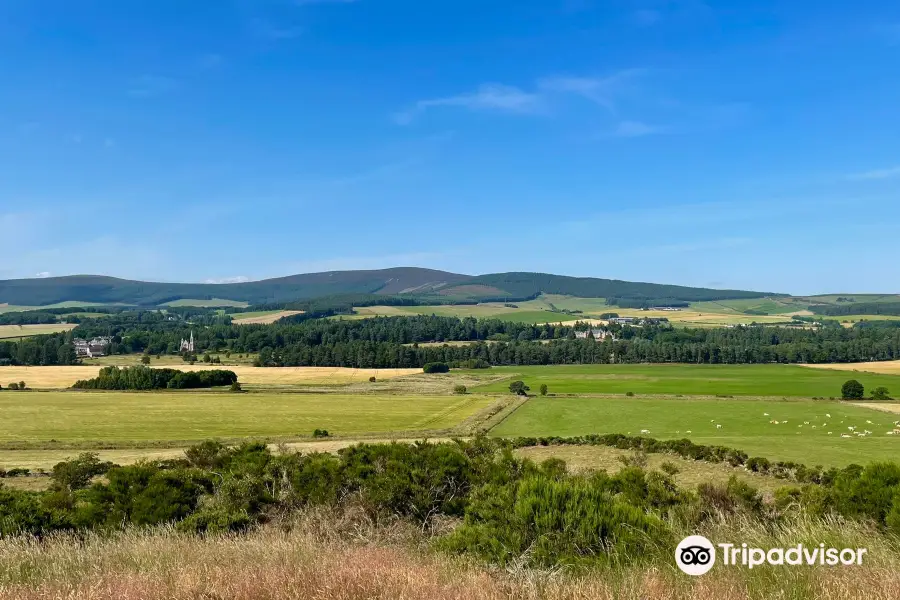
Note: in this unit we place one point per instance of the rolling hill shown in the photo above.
(408, 281)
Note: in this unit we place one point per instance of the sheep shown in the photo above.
(718, 426)
(644, 431)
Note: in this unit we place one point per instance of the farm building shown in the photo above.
(93, 348)
(598, 334)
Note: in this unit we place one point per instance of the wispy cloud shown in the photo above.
(876, 174)
(148, 86)
(488, 97)
(233, 279)
(601, 90)
(42, 275)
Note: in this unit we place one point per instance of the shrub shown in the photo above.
(372, 379)
(75, 474)
(629, 394)
(852, 390)
(881, 393)
(436, 367)
(543, 389)
(526, 520)
(670, 468)
(518, 388)
(145, 359)
(235, 387)
(321, 433)
(459, 389)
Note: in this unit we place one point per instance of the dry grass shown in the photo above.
(23, 331)
(63, 377)
(887, 367)
(344, 557)
(882, 406)
(267, 318)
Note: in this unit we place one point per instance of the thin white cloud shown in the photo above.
(42, 275)
(876, 174)
(602, 90)
(234, 279)
(488, 97)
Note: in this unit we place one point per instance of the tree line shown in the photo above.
(385, 342)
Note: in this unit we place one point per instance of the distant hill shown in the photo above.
(412, 281)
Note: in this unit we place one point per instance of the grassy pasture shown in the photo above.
(737, 380)
(744, 425)
(603, 458)
(212, 303)
(63, 377)
(481, 311)
(8, 332)
(185, 416)
(68, 304)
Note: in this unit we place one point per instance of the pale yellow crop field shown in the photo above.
(888, 367)
(21, 331)
(63, 377)
(265, 318)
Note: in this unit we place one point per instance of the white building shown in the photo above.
(187, 346)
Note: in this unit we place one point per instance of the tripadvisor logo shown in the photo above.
(696, 555)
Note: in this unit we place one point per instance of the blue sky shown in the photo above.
(727, 144)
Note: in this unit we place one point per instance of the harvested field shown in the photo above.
(887, 367)
(63, 377)
(264, 317)
(23, 331)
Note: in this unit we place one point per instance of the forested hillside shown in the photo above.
(438, 286)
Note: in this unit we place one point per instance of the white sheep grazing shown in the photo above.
(851, 427)
(806, 422)
(813, 426)
(827, 415)
(718, 426)
(829, 433)
(868, 422)
(765, 414)
(645, 431)
(844, 435)
(688, 431)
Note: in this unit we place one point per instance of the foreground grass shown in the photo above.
(161, 416)
(744, 380)
(344, 556)
(744, 425)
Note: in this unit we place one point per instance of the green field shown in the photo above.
(17, 332)
(481, 311)
(213, 303)
(186, 416)
(737, 380)
(744, 425)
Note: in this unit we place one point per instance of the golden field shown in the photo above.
(266, 318)
(887, 367)
(63, 377)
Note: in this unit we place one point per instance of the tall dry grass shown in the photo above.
(344, 557)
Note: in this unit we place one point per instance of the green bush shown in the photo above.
(321, 433)
(459, 389)
(852, 390)
(881, 393)
(549, 522)
(519, 388)
(543, 389)
(436, 367)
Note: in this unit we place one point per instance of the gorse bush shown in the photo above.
(509, 510)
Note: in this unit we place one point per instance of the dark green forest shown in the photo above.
(393, 342)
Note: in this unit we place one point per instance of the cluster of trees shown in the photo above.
(145, 378)
(854, 390)
(512, 510)
(857, 308)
